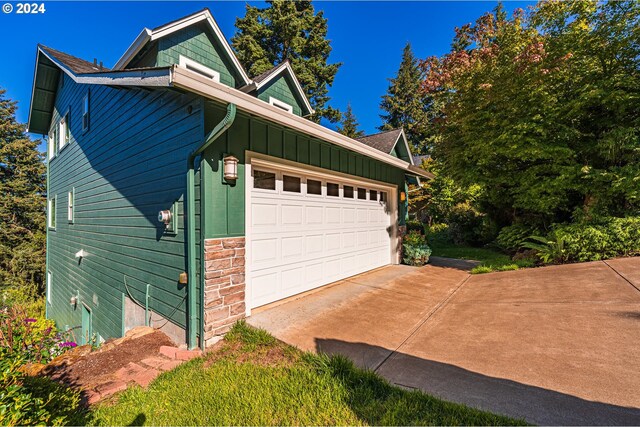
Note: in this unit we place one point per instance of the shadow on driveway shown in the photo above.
(502, 396)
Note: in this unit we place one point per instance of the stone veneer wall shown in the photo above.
(224, 286)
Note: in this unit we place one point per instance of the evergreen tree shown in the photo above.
(22, 202)
(349, 124)
(291, 30)
(404, 104)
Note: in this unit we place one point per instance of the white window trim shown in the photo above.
(277, 103)
(49, 284)
(51, 214)
(71, 203)
(62, 131)
(192, 65)
(51, 145)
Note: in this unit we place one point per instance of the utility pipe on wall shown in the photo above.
(217, 131)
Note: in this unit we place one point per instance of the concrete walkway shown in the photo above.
(553, 345)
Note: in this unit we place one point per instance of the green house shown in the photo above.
(183, 194)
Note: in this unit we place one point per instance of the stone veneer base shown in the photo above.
(224, 286)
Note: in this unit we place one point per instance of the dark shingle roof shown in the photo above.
(383, 141)
(264, 76)
(76, 65)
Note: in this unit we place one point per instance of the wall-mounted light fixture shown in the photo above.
(403, 196)
(230, 168)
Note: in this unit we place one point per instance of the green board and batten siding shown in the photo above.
(281, 89)
(225, 204)
(130, 164)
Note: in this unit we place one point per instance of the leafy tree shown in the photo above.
(542, 110)
(405, 105)
(291, 30)
(349, 124)
(22, 202)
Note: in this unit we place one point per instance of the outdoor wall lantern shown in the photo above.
(403, 196)
(230, 168)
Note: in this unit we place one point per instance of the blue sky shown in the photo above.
(367, 37)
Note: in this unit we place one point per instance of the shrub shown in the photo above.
(580, 242)
(28, 400)
(512, 238)
(29, 339)
(415, 249)
(468, 226)
(415, 225)
(438, 233)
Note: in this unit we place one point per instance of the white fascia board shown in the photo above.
(193, 82)
(285, 66)
(33, 88)
(133, 50)
(149, 35)
(406, 144)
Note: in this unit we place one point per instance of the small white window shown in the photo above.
(65, 135)
(197, 67)
(52, 145)
(72, 196)
(51, 212)
(282, 105)
(85, 112)
(49, 285)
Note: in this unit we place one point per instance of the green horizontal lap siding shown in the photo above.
(127, 167)
(194, 43)
(224, 205)
(281, 89)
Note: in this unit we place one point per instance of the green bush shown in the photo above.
(415, 249)
(29, 339)
(438, 233)
(415, 225)
(581, 242)
(28, 400)
(512, 238)
(468, 226)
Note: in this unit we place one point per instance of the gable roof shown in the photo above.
(270, 75)
(50, 63)
(383, 141)
(204, 15)
(73, 63)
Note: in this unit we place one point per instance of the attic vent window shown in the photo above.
(197, 67)
(282, 105)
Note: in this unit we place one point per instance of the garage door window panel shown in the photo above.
(362, 193)
(291, 184)
(373, 195)
(314, 187)
(348, 192)
(263, 180)
(333, 189)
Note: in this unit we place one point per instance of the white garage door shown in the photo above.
(310, 230)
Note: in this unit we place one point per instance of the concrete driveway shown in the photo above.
(553, 345)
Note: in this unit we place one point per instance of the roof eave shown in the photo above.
(137, 45)
(193, 82)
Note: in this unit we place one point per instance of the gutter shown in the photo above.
(217, 131)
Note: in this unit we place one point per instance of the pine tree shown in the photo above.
(349, 124)
(404, 103)
(22, 202)
(291, 30)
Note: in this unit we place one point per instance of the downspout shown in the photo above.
(217, 131)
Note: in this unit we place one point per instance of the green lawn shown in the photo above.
(256, 380)
(490, 260)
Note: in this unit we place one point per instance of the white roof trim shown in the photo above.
(150, 35)
(406, 144)
(285, 66)
(193, 82)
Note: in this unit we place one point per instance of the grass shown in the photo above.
(253, 379)
(490, 260)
